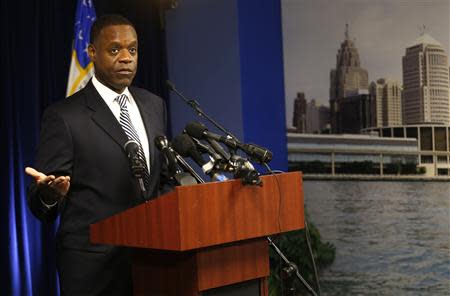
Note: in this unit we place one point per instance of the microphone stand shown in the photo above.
(196, 107)
(292, 268)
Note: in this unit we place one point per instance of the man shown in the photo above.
(82, 171)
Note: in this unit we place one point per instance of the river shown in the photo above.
(391, 238)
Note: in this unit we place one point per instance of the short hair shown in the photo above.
(106, 21)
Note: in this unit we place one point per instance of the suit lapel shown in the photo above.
(147, 118)
(103, 116)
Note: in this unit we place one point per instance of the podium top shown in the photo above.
(203, 215)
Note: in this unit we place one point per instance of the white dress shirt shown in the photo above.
(109, 96)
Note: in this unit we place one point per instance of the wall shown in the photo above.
(228, 55)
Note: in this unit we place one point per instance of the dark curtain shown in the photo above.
(35, 51)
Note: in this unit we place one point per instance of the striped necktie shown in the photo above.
(131, 133)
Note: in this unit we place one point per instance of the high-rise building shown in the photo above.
(309, 117)
(324, 119)
(386, 103)
(376, 92)
(355, 114)
(346, 80)
(299, 118)
(392, 103)
(426, 83)
(312, 117)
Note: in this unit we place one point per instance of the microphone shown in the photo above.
(182, 178)
(258, 153)
(185, 146)
(220, 164)
(198, 130)
(240, 167)
(131, 147)
(204, 148)
(162, 144)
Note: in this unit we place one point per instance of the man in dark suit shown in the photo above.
(82, 171)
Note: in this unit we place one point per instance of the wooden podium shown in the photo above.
(205, 236)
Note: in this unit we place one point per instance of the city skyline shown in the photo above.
(381, 30)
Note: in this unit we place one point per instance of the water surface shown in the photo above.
(391, 238)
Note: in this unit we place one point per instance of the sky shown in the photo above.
(381, 29)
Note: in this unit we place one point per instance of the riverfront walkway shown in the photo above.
(375, 177)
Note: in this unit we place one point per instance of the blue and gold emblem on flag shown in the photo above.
(81, 67)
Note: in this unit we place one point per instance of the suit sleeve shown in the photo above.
(54, 156)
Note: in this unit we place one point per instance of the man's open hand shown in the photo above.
(53, 188)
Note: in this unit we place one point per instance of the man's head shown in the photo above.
(114, 51)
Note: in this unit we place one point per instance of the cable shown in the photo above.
(308, 242)
(280, 258)
(279, 193)
(307, 235)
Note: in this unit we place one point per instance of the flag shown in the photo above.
(81, 67)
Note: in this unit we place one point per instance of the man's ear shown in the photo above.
(91, 52)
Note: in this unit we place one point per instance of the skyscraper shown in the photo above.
(312, 117)
(386, 106)
(426, 82)
(299, 117)
(355, 114)
(324, 119)
(346, 80)
(392, 103)
(376, 92)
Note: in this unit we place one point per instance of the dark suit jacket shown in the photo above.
(81, 138)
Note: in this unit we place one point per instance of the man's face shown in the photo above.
(115, 55)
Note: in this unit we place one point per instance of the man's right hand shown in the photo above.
(52, 188)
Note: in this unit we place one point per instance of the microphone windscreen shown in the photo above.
(259, 153)
(195, 129)
(131, 146)
(185, 146)
(182, 144)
